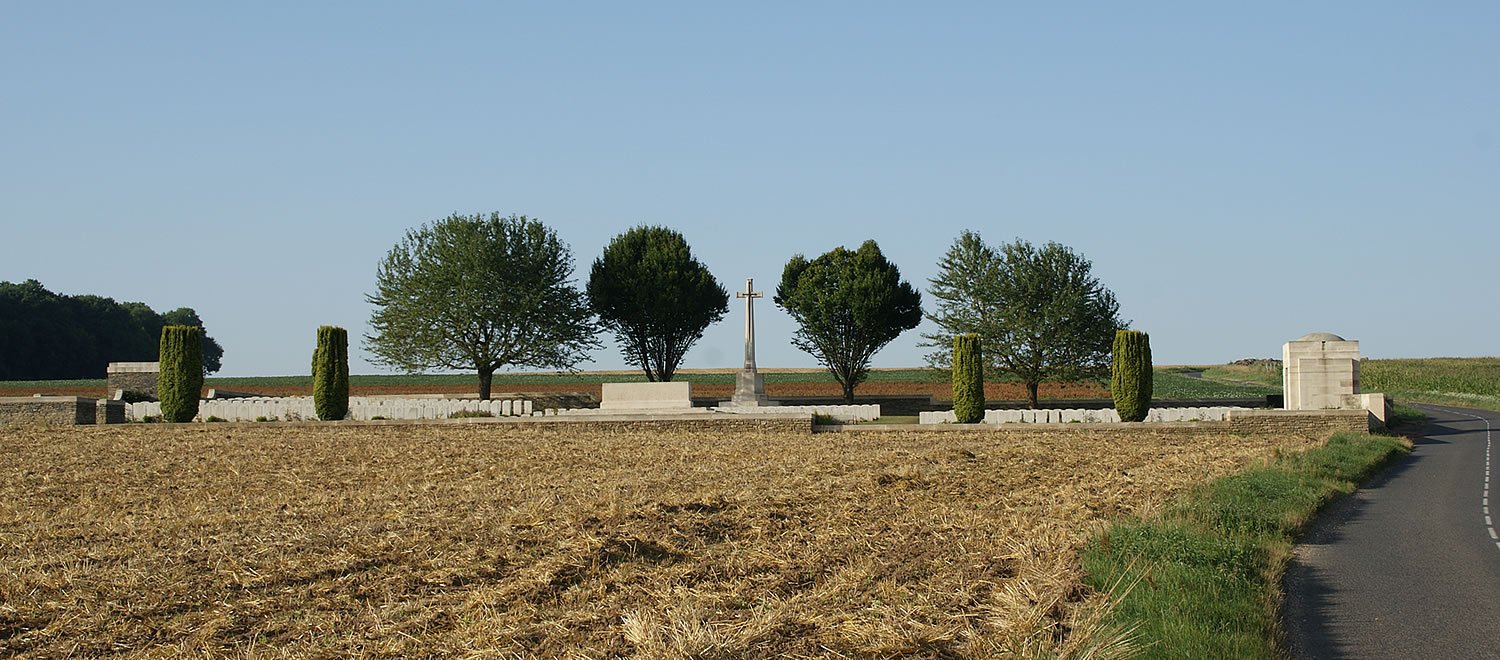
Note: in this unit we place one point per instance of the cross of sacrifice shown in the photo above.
(749, 294)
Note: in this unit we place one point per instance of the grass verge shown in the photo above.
(1207, 572)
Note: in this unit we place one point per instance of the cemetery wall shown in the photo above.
(107, 411)
(299, 408)
(46, 411)
(688, 423)
(1300, 422)
(1309, 423)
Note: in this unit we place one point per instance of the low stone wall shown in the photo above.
(291, 409)
(866, 412)
(1307, 423)
(799, 424)
(107, 411)
(1083, 416)
(1300, 422)
(46, 411)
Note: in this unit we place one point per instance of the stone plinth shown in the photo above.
(749, 391)
(646, 396)
(132, 381)
(1320, 372)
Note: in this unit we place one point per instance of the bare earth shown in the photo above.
(456, 539)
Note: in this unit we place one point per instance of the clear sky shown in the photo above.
(1239, 175)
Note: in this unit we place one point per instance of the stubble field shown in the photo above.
(454, 539)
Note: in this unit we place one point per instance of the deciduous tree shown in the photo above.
(479, 292)
(849, 304)
(656, 297)
(1041, 313)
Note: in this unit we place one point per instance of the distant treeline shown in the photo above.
(45, 336)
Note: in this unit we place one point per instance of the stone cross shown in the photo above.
(749, 387)
(749, 294)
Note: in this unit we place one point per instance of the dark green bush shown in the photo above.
(181, 378)
(1130, 375)
(968, 379)
(330, 368)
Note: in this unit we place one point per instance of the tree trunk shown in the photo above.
(848, 391)
(485, 377)
(1031, 394)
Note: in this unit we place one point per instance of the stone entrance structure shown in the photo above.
(749, 387)
(1319, 371)
(131, 381)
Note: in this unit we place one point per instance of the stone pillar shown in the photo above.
(1320, 371)
(132, 381)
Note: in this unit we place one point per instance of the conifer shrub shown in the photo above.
(330, 368)
(968, 379)
(181, 377)
(1130, 375)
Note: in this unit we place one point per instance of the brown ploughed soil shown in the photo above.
(473, 539)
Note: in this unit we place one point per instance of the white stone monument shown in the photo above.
(1320, 371)
(749, 387)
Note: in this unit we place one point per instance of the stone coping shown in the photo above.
(133, 367)
(49, 398)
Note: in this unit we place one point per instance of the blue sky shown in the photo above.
(1239, 176)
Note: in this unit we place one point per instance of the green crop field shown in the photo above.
(1471, 382)
(1173, 383)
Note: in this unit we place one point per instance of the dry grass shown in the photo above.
(486, 539)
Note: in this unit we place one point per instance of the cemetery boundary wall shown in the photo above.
(1308, 423)
(47, 411)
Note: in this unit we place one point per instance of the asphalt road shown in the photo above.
(1409, 566)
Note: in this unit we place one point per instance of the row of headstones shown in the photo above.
(362, 408)
(1077, 415)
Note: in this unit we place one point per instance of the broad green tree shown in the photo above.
(1040, 312)
(849, 304)
(213, 353)
(656, 297)
(48, 336)
(479, 292)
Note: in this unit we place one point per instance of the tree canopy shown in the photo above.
(479, 292)
(849, 304)
(47, 336)
(656, 297)
(1040, 312)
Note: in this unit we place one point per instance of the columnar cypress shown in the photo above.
(1130, 375)
(968, 379)
(181, 377)
(330, 367)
